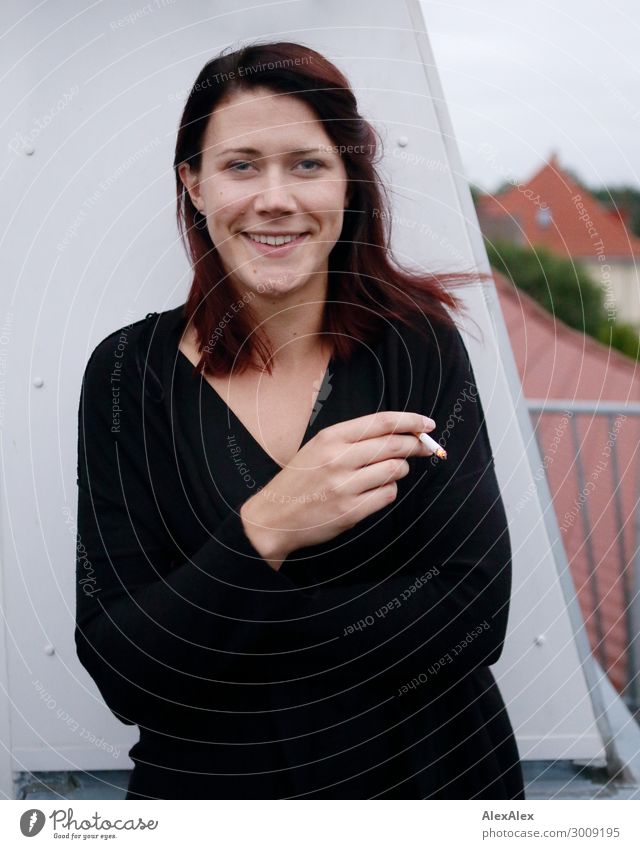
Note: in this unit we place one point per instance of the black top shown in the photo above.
(357, 671)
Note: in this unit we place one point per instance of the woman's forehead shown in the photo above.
(257, 119)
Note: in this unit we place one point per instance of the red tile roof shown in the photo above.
(557, 362)
(580, 226)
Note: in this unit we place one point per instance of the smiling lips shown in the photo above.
(275, 244)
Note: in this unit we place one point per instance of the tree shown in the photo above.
(565, 289)
(623, 197)
(561, 286)
(621, 336)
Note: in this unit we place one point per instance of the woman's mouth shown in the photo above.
(269, 244)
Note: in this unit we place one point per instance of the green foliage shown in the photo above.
(503, 187)
(561, 286)
(623, 196)
(623, 337)
(565, 289)
(476, 193)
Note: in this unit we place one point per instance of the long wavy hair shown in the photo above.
(365, 287)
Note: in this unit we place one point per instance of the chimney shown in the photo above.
(554, 161)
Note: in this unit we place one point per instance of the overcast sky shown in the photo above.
(529, 78)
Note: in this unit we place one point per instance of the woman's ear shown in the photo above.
(191, 182)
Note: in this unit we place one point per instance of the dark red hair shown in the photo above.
(364, 286)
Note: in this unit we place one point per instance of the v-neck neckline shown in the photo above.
(215, 395)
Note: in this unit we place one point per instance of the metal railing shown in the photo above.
(600, 557)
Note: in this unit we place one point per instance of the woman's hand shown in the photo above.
(341, 476)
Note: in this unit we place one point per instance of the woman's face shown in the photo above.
(268, 167)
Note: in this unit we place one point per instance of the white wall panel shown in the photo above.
(91, 104)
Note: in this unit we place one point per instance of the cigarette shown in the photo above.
(438, 450)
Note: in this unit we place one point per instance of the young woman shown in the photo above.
(289, 594)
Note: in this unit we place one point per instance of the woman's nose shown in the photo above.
(276, 192)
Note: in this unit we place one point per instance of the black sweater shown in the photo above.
(360, 669)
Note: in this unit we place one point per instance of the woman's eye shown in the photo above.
(315, 162)
(241, 165)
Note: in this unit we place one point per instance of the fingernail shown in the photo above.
(428, 422)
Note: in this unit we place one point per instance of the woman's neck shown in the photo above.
(293, 326)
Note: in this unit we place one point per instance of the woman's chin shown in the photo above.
(275, 284)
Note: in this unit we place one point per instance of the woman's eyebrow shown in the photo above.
(252, 151)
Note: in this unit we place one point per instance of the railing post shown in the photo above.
(601, 647)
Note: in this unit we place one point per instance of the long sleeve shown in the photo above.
(156, 629)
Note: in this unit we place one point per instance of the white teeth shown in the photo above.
(272, 240)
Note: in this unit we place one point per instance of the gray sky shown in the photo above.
(530, 78)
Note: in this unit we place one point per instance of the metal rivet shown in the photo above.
(38, 381)
(403, 141)
(49, 649)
